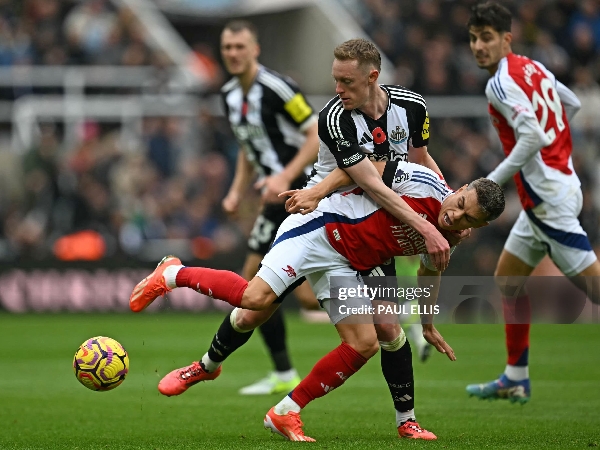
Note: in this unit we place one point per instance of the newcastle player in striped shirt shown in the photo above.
(277, 132)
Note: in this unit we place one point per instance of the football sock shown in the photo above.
(220, 284)
(397, 369)
(402, 417)
(274, 335)
(517, 317)
(224, 343)
(286, 405)
(329, 373)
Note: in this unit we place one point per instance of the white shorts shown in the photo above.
(555, 231)
(301, 249)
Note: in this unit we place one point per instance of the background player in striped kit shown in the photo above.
(277, 133)
(531, 111)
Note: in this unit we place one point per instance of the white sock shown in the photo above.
(286, 405)
(209, 364)
(516, 373)
(170, 275)
(404, 416)
(287, 375)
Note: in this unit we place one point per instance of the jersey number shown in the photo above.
(547, 102)
(261, 233)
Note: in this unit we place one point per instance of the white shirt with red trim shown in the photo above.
(367, 235)
(526, 107)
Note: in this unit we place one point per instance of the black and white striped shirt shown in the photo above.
(269, 122)
(348, 136)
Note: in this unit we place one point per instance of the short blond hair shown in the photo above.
(360, 50)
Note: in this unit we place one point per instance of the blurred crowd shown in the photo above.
(166, 189)
(59, 32)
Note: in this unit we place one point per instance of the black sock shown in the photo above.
(273, 333)
(226, 341)
(398, 372)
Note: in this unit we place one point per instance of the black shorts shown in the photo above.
(268, 221)
(384, 279)
(265, 227)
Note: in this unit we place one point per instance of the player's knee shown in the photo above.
(367, 347)
(254, 300)
(387, 332)
(245, 320)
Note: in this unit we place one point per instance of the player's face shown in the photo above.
(239, 51)
(489, 46)
(461, 211)
(352, 82)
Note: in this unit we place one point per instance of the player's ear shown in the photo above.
(373, 76)
(507, 38)
(257, 50)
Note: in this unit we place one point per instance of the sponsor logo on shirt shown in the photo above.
(352, 159)
(247, 131)
(425, 131)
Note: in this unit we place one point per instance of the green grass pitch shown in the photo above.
(42, 406)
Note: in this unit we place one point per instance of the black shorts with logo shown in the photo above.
(383, 278)
(268, 221)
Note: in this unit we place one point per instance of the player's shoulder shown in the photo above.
(281, 85)
(505, 79)
(422, 181)
(401, 96)
(333, 112)
(230, 85)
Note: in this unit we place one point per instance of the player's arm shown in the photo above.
(569, 100)
(304, 201)
(307, 154)
(428, 280)
(291, 104)
(338, 133)
(367, 177)
(419, 138)
(515, 106)
(244, 172)
(421, 156)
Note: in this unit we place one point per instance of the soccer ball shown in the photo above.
(101, 363)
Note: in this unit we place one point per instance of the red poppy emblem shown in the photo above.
(379, 136)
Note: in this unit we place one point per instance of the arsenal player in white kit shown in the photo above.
(531, 111)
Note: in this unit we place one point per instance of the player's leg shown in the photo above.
(359, 343)
(396, 353)
(522, 252)
(570, 248)
(406, 273)
(588, 280)
(284, 376)
(235, 330)
(220, 284)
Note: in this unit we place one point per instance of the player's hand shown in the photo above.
(271, 187)
(433, 336)
(231, 204)
(438, 248)
(456, 237)
(301, 201)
